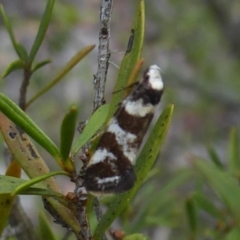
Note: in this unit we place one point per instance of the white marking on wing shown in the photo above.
(136, 108)
(107, 179)
(100, 155)
(124, 139)
(155, 79)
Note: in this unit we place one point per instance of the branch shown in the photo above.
(99, 89)
(103, 54)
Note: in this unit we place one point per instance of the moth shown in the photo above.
(110, 168)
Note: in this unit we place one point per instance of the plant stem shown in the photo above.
(23, 88)
(103, 54)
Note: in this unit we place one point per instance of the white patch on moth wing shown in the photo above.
(100, 155)
(124, 139)
(107, 179)
(82, 193)
(155, 79)
(137, 108)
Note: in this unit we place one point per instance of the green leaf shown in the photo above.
(214, 157)
(176, 181)
(68, 128)
(131, 58)
(234, 156)
(144, 163)
(17, 64)
(6, 200)
(41, 30)
(13, 112)
(136, 236)
(45, 229)
(40, 64)
(18, 47)
(224, 184)
(163, 202)
(22, 52)
(73, 61)
(191, 215)
(234, 234)
(8, 185)
(207, 205)
(94, 123)
(33, 181)
(24, 152)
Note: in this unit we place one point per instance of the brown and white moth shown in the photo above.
(110, 168)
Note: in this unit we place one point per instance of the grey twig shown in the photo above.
(99, 89)
(81, 194)
(103, 54)
(101, 75)
(82, 214)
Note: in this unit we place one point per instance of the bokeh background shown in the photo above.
(197, 46)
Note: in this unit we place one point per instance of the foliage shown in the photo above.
(199, 202)
(15, 124)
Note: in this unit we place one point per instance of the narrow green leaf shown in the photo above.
(17, 64)
(131, 57)
(13, 112)
(43, 193)
(163, 202)
(10, 31)
(95, 122)
(191, 215)
(24, 152)
(22, 52)
(153, 215)
(45, 229)
(207, 205)
(144, 163)
(224, 184)
(67, 133)
(9, 184)
(40, 64)
(41, 30)
(72, 63)
(234, 156)
(33, 181)
(214, 157)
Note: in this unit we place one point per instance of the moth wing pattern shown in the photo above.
(110, 168)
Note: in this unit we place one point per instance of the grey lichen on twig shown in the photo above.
(103, 54)
(99, 89)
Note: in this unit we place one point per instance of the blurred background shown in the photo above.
(197, 46)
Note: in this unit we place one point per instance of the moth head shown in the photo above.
(154, 79)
